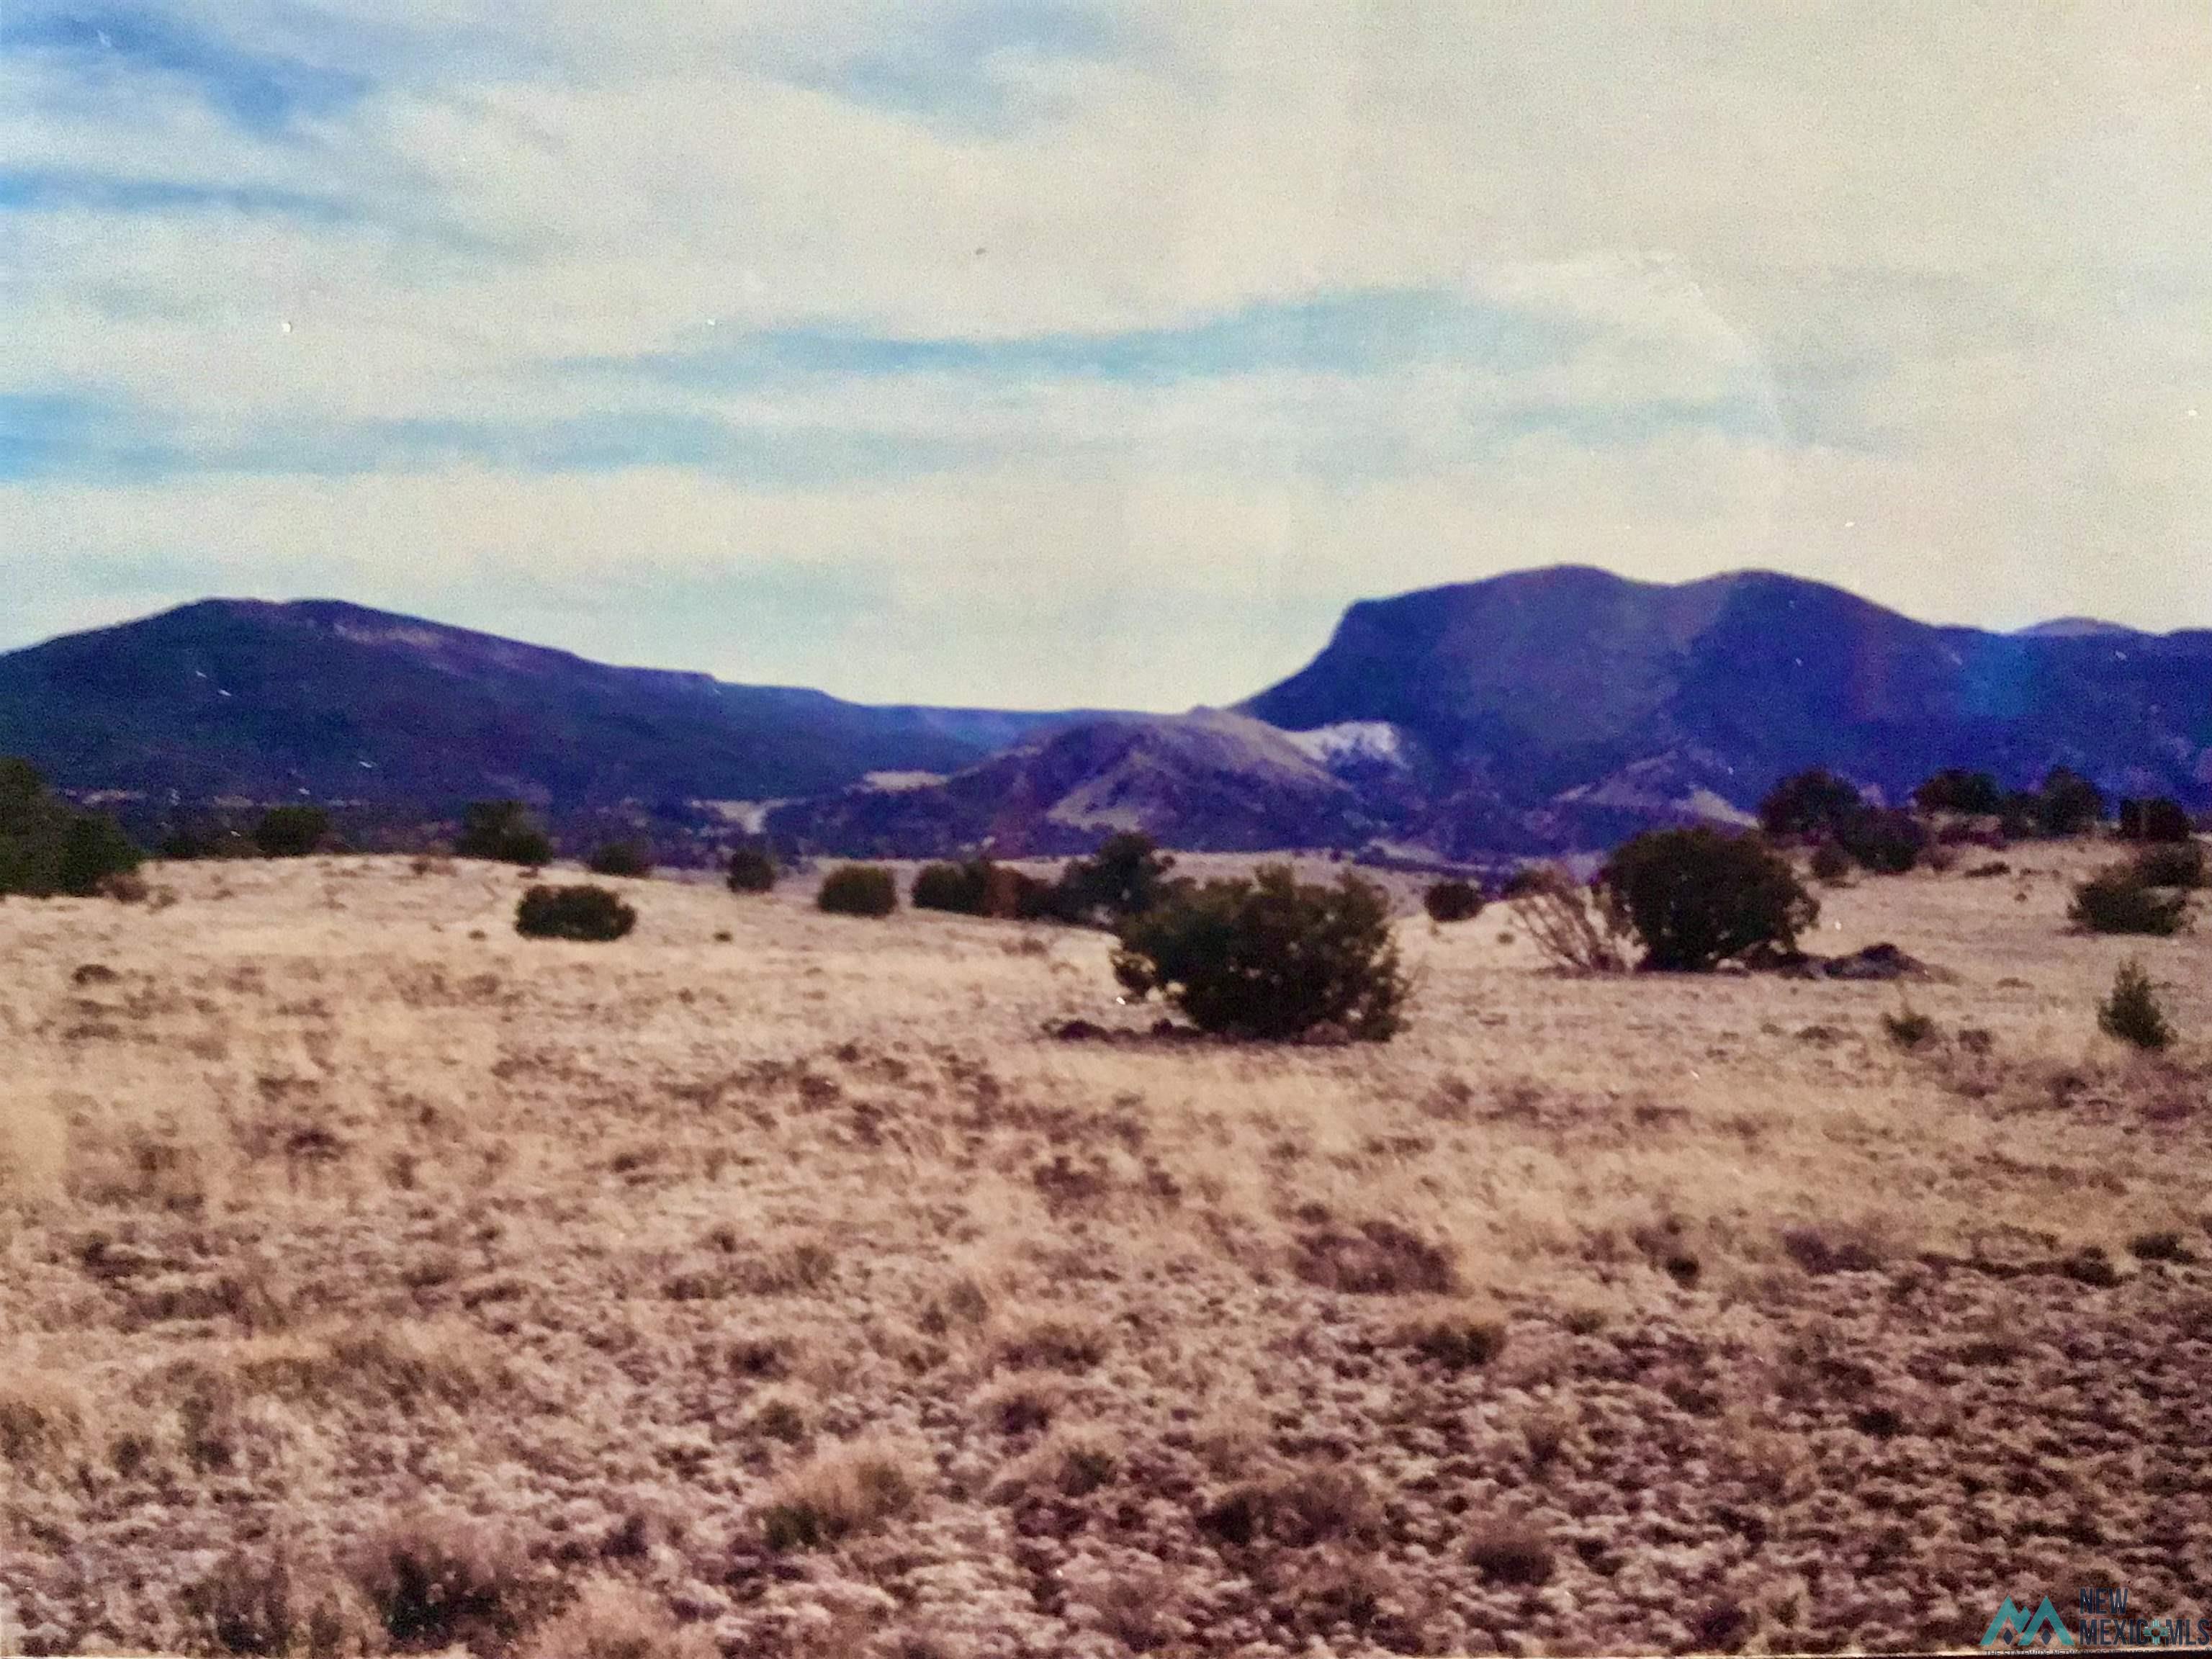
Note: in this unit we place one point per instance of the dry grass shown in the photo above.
(328, 1200)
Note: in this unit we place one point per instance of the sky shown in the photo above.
(1060, 354)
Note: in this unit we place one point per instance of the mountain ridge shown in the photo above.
(1544, 709)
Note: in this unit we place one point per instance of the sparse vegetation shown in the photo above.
(622, 858)
(1696, 898)
(504, 832)
(1882, 841)
(1831, 864)
(2071, 805)
(2132, 1013)
(858, 890)
(1957, 789)
(847, 1488)
(1811, 803)
(290, 832)
(2117, 900)
(1125, 878)
(2170, 863)
(1568, 923)
(573, 912)
(1269, 957)
(49, 848)
(2160, 819)
(751, 870)
(1452, 901)
(1908, 1027)
(437, 1581)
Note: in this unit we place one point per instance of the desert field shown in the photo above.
(770, 1283)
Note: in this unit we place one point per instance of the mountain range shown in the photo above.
(1542, 710)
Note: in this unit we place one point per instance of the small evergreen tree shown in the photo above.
(2117, 900)
(628, 859)
(1697, 896)
(1884, 841)
(1955, 789)
(2160, 819)
(1811, 803)
(858, 890)
(2072, 805)
(575, 913)
(1452, 901)
(47, 847)
(2132, 1013)
(751, 871)
(1268, 957)
(290, 832)
(1126, 876)
(502, 830)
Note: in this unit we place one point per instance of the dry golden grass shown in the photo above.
(1609, 1312)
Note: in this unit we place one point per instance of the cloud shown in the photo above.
(1085, 341)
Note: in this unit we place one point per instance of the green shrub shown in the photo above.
(2020, 815)
(1453, 900)
(1697, 896)
(1126, 876)
(2132, 1013)
(1831, 863)
(630, 859)
(503, 830)
(48, 847)
(1808, 804)
(1955, 789)
(2117, 900)
(2071, 806)
(751, 871)
(2170, 863)
(1908, 1027)
(962, 888)
(290, 832)
(439, 1582)
(577, 913)
(858, 890)
(1268, 957)
(1884, 841)
(2159, 819)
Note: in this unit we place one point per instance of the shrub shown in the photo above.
(2160, 819)
(504, 830)
(958, 887)
(2132, 1013)
(1908, 1027)
(2170, 863)
(46, 847)
(2020, 815)
(2117, 900)
(1126, 876)
(1453, 900)
(1955, 789)
(95, 855)
(2071, 804)
(851, 1488)
(438, 1581)
(1697, 896)
(1807, 803)
(1885, 841)
(578, 913)
(751, 871)
(631, 858)
(1511, 1552)
(290, 832)
(612, 1619)
(1831, 863)
(1570, 925)
(858, 890)
(1269, 957)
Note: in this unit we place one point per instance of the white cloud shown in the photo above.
(1908, 297)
